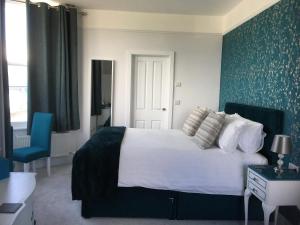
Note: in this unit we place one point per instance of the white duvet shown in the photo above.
(170, 160)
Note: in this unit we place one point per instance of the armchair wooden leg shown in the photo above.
(26, 167)
(49, 166)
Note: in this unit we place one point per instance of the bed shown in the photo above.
(149, 187)
(171, 160)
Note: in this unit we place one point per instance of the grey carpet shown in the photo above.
(53, 205)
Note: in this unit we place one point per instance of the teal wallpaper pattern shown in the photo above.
(261, 65)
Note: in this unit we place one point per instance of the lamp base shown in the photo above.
(280, 162)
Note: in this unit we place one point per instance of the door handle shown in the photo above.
(163, 109)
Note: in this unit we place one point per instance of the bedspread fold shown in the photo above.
(96, 165)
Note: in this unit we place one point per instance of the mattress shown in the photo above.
(170, 160)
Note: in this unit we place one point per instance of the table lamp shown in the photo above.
(282, 145)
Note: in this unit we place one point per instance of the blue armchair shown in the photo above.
(40, 142)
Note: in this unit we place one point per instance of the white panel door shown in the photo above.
(151, 92)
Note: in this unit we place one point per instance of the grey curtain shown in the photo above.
(5, 126)
(52, 64)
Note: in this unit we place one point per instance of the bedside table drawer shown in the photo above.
(255, 190)
(257, 180)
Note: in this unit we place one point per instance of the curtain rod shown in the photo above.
(49, 6)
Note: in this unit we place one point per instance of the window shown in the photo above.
(16, 48)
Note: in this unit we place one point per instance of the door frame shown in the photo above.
(129, 92)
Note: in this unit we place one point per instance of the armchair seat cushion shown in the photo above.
(28, 154)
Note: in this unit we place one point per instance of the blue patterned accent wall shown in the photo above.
(261, 65)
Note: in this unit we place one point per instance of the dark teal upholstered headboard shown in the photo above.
(272, 119)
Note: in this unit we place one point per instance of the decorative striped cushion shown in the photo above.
(194, 120)
(209, 130)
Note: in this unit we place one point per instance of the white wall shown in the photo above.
(197, 67)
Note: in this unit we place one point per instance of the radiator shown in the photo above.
(21, 141)
(61, 144)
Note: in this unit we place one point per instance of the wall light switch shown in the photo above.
(178, 84)
(177, 102)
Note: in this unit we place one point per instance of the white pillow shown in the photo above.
(229, 136)
(252, 136)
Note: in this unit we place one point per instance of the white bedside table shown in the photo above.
(18, 188)
(272, 190)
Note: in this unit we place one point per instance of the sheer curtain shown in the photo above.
(5, 126)
(52, 64)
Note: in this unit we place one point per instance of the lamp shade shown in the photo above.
(282, 144)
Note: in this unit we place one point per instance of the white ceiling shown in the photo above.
(194, 7)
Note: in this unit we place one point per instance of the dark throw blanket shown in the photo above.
(96, 165)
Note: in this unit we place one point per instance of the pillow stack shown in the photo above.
(229, 132)
(194, 120)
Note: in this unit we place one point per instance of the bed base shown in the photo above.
(149, 203)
